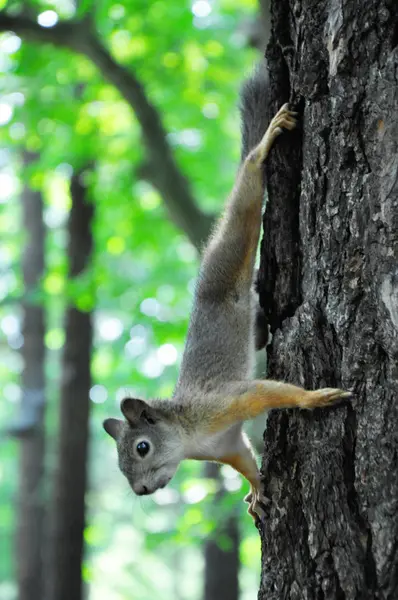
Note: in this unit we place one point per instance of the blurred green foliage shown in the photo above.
(190, 58)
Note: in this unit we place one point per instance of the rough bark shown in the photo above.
(329, 283)
(30, 424)
(221, 575)
(67, 528)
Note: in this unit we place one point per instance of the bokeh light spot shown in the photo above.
(201, 8)
(48, 18)
(98, 394)
(167, 354)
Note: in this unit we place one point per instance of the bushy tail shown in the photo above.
(254, 107)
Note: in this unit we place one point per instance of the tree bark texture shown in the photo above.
(30, 424)
(329, 284)
(65, 581)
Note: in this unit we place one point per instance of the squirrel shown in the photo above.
(215, 391)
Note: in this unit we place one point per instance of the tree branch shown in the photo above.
(65, 33)
(168, 178)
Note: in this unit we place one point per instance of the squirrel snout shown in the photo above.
(140, 489)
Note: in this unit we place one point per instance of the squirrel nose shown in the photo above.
(143, 491)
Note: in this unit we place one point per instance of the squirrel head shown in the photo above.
(149, 445)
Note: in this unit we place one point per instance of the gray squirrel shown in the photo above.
(216, 392)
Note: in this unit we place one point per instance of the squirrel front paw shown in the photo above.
(256, 501)
(323, 397)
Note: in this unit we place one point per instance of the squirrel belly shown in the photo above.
(213, 446)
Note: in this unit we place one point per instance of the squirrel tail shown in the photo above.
(254, 107)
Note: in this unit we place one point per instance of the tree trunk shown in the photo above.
(30, 424)
(329, 284)
(221, 552)
(70, 481)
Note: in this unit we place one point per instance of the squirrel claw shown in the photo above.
(284, 119)
(324, 397)
(256, 502)
(249, 497)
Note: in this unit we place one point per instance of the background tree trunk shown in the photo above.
(65, 581)
(329, 283)
(30, 423)
(221, 576)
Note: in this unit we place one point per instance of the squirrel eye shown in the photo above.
(143, 448)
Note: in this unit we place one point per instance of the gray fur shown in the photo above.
(157, 469)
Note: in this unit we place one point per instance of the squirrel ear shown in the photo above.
(113, 427)
(136, 410)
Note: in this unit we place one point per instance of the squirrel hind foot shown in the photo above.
(284, 119)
